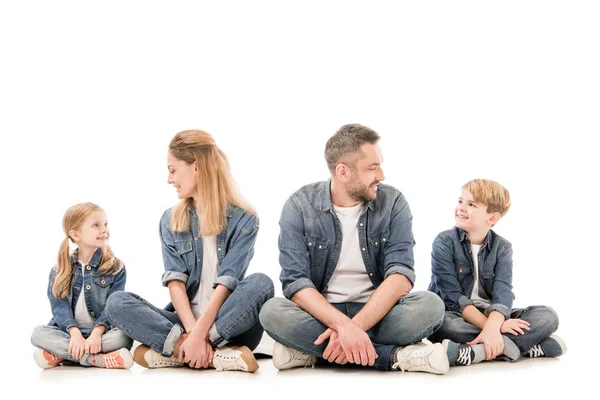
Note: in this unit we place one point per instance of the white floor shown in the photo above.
(528, 378)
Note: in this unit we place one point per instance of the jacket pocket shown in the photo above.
(317, 249)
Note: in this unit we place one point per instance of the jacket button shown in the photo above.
(320, 246)
(92, 314)
(103, 281)
(376, 243)
(364, 249)
(88, 287)
(310, 243)
(460, 270)
(219, 249)
(361, 224)
(88, 267)
(371, 274)
(383, 240)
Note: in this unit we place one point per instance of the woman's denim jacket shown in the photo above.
(310, 238)
(182, 251)
(96, 289)
(452, 276)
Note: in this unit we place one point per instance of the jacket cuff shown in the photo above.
(169, 276)
(464, 302)
(103, 321)
(501, 308)
(228, 281)
(296, 286)
(402, 270)
(69, 324)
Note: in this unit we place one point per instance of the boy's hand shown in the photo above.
(515, 326)
(493, 342)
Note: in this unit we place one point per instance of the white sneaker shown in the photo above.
(422, 357)
(149, 358)
(45, 359)
(234, 358)
(285, 357)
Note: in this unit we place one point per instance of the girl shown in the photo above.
(207, 243)
(78, 289)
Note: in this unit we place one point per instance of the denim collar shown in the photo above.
(93, 262)
(325, 197)
(488, 238)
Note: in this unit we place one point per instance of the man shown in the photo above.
(346, 253)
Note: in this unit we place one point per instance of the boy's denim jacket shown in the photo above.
(310, 238)
(182, 251)
(452, 276)
(96, 288)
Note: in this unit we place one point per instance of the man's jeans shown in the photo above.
(236, 322)
(416, 316)
(55, 341)
(543, 322)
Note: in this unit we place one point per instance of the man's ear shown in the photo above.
(343, 173)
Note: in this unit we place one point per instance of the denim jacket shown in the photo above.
(96, 288)
(310, 238)
(452, 276)
(182, 251)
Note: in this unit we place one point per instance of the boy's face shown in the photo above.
(471, 216)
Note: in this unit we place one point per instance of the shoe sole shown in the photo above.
(248, 357)
(126, 357)
(138, 355)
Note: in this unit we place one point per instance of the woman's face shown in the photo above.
(182, 176)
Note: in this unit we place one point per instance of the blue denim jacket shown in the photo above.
(452, 276)
(310, 238)
(96, 288)
(182, 251)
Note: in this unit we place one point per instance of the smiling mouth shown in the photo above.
(461, 216)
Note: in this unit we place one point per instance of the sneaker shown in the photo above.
(119, 359)
(234, 358)
(45, 359)
(149, 358)
(554, 346)
(466, 353)
(285, 357)
(422, 357)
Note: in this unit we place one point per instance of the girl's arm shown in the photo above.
(181, 302)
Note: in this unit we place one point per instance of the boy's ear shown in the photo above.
(494, 218)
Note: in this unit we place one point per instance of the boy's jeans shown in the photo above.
(416, 316)
(237, 320)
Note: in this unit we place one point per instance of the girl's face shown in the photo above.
(93, 233)
(182, 176)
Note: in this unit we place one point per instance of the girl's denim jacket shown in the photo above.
(96, 289)
(182, 251)
(452, 276)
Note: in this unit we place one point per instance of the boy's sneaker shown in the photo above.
(285, 357)
(466, 353)
(149, 358)
(234, 358)
(554, 346)
(119, 359)
(422, 357)
(45, 359)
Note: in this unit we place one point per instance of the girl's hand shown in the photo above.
(76, 344)
(93, 344)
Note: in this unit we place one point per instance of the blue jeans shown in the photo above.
(236, 322)
(543, 322)
(55, 341)
(416, 316)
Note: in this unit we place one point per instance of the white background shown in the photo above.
(91, 94)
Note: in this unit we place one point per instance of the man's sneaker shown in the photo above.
(45, 359)
(554, 346)
(149, 358)
(285, 357)
(234, 358)
(422, 357)
(119, 359)
(466, 353)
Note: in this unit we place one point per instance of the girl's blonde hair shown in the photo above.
(217, 190)
(72, 221)
(490, 193)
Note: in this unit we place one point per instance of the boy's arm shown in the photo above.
(502, 295)
(445, 277)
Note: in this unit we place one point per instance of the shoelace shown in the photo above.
(416, 359)
(536, 351)
(112, 361)
(167, 361)
(305, 359)
(464, 356)
(227, 363)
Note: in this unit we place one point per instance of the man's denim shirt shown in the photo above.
(182, 251)
(96, 288)
(452, 276)
(310, 238)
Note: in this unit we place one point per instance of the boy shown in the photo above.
(472, 273)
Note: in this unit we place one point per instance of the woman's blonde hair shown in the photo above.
(217, 190)
(72, 221)
(490, 193)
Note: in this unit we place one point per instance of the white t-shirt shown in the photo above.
(478, 295)
(350, 281)
(210, 271)
(82, 315)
